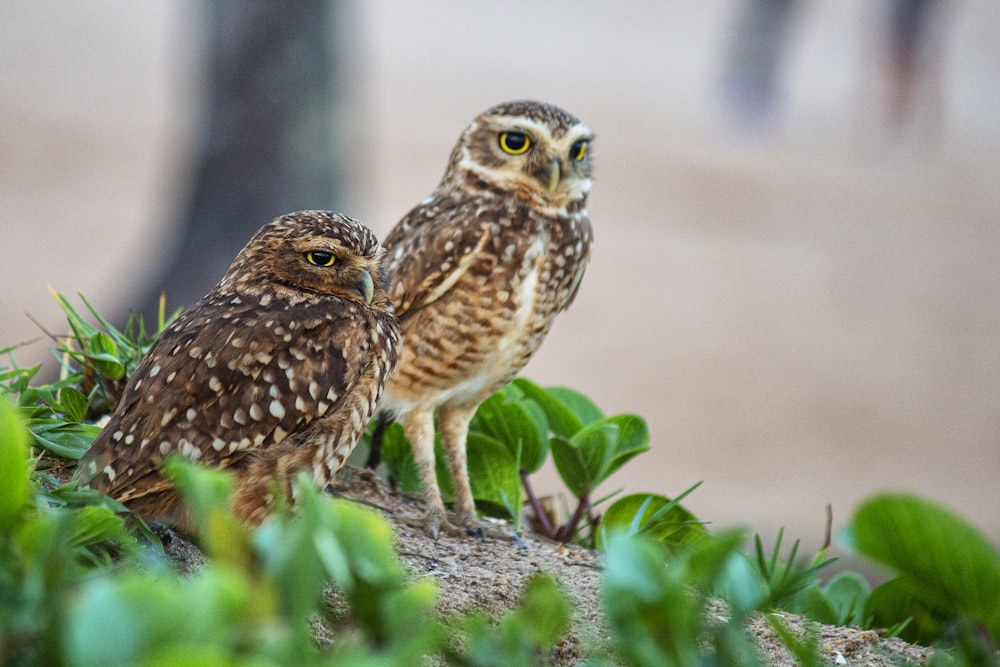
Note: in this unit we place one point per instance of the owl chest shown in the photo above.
(501, 319)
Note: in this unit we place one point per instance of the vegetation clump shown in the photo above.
(85, 582)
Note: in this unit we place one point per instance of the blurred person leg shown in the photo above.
(752, 69)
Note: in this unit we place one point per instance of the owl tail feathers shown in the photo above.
(382, 422)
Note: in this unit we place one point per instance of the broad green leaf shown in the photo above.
(103, 351)
(902, 606)
(584, 408)
(596, 443)
(561, 419)
(205, 493)
(647, 603)
(633, 439)
(74, 403)
(956, 565)
(655, 516)
(544, 612)
(494, 475)
(63, 439)
(511, 423)
(288, 550)
(368, 542)
(96, 524)
(607, 444)
(14, 483)
(125, 620)
(848, 592)
(571, 466)
(815, 604)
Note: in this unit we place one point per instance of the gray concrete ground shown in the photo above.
(805, 315)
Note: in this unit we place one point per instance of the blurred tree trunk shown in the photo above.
(267, 136)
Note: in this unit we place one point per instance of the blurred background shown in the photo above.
(796, 276)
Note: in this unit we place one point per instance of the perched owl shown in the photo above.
(278, 369)
(478, 272)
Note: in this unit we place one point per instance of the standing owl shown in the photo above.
(478, 272)
(278, 369)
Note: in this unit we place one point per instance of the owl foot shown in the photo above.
(468, 526)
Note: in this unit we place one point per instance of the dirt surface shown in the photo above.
(488, 576)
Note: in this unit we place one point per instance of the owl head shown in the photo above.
(310, 254)
(529, 150)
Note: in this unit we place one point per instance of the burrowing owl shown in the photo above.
(478, 272)
(277, 369)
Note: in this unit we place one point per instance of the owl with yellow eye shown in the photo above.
(478, 272)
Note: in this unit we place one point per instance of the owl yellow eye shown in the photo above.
(515, 143)
(317, 258)
(578, 151)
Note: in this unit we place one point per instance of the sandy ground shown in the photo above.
(804, 317)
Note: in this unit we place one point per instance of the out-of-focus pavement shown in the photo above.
(805, 317)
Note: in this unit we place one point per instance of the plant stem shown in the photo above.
(567, 530)
(536, 506)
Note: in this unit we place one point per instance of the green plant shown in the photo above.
(513, 434)
(83, 582)
(523, 636)
(947, 586)
(658, 604)
(95, 363)
(786, 583)
(663, 519)
(47, 546)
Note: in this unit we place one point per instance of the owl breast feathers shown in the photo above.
(277, 369)
(479, 270)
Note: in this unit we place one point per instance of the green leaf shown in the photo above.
(511, 423)
(654, 516)
(544, 613)
(956, 566)
(571, 466)
(494, 476)
(66, 440)
(133, 619)
(653, 619)
(74, 403)
(581, 406)
(633, 439)
(901, 606)
(848, 592)
(206, 493)
(14, 483)
(596, 443)
(561, 419)
(95, 524)
(103, 351)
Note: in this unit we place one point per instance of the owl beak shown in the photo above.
(554, 174)
(365, 287)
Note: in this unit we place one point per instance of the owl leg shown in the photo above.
(454, 423)
(419, 428)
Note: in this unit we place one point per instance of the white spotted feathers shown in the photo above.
(282, 351)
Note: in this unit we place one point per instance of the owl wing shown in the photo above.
(431, 248)
(219, 384)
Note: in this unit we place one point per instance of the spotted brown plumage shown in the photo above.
(479, 270)
(277, 369)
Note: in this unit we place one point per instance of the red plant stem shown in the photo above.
(567, 530)
(543, 518)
